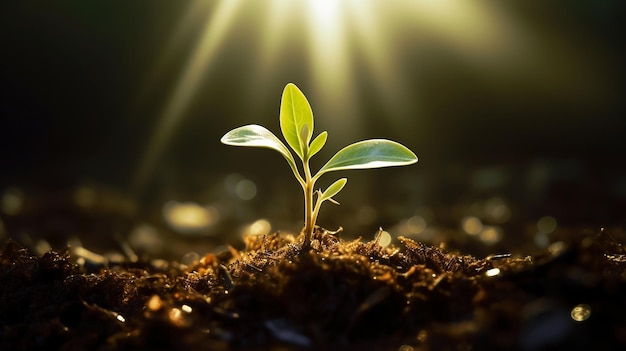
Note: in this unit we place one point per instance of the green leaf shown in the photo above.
(333, 189)
(258, 136)
(318, 143)
(304, 132)
(295, 112)
(373, 153)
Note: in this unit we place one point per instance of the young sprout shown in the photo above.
(296, 124)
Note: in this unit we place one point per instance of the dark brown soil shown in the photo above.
(339, 296)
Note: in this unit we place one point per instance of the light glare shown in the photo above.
(476, 31)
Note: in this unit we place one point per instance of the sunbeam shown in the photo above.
(330, 63)
(332, 40)
(195, 69)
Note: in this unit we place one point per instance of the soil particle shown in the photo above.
(348, 295)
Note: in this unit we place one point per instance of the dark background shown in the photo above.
(525, 104)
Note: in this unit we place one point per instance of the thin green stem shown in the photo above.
(316, 211)
(309, 218)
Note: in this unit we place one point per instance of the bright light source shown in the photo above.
(325, 11)
(332, 39)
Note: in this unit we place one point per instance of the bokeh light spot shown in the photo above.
(416, 225)
(493, 272)
(12, 201)
(177, 318)
(557, 248)
(546, 224)
(145, 237)
(85, 196)
(155, 303)
(41, 247)
(385, 239)
(189, 217)
(190, 258)
(580, 312)
(490, 235)
(498, 210)
(258, 227)
(471, 225)
(245, 189)
(542, 240)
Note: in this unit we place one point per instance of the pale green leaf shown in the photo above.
(373, 153)
(318, 143)
(304, 133)
(295, 112)
(333, 189)
(258, 136)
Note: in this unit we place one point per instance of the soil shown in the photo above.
(341, 295)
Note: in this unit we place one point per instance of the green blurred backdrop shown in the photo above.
(115, 109)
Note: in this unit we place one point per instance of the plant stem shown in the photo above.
(309, 220)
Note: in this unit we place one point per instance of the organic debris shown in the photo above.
(339, 295)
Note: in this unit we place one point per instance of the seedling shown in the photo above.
(296, 124)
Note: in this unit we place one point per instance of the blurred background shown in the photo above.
(112, 115)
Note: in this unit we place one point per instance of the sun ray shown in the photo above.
(192, 15)
(478, 32)
(276, 24)
(330, 40)
(213, 34)
(375, 48)
(273, 34)
(330, 65)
